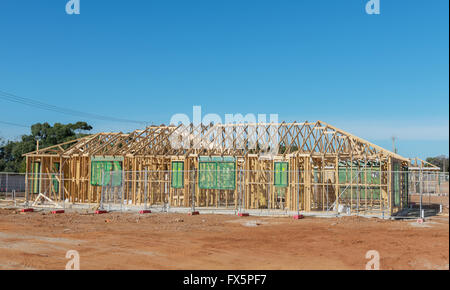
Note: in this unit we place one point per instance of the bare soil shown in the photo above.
(40, 240)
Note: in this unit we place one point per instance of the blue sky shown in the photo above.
(376, 76)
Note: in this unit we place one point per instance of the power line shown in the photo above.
(13, 124)
(44, 106)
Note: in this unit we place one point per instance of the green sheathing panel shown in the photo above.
(226, 175)
(117, 173)
(369, 188)
(207, 175)
(107, 158)
(396, 183)
(217, 173)
(405, 187)
(216, 159)
(35, 177)
(177, 174)
(55, 181)
(113, 173)
(281, 174)
(97, 168)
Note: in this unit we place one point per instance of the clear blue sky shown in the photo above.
(373, 75)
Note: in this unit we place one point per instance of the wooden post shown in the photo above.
(337, 189)
(307, 184)
(390, 187)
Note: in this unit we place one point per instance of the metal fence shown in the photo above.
(428, 193)
(430, 183)
(330, 192)
(12, 185)
(256, 190)
(45, 189)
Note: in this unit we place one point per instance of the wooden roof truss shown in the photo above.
(289, 139)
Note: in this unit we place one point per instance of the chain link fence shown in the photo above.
(280, 191)
(12, 185)
(361, 192)
(428, 193)
(44, 189)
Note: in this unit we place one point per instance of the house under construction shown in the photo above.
(307, 167)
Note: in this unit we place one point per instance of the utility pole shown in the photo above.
(393, 145)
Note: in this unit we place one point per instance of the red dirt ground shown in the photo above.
(177, 241)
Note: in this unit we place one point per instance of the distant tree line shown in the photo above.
(11, 159)
(441, 161)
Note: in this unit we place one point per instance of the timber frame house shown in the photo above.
(316, 168)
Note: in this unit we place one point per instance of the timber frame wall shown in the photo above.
(315, 151)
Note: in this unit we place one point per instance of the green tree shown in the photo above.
(11, 159)
(441, 161)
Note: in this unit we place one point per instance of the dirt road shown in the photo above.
(176, 241)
